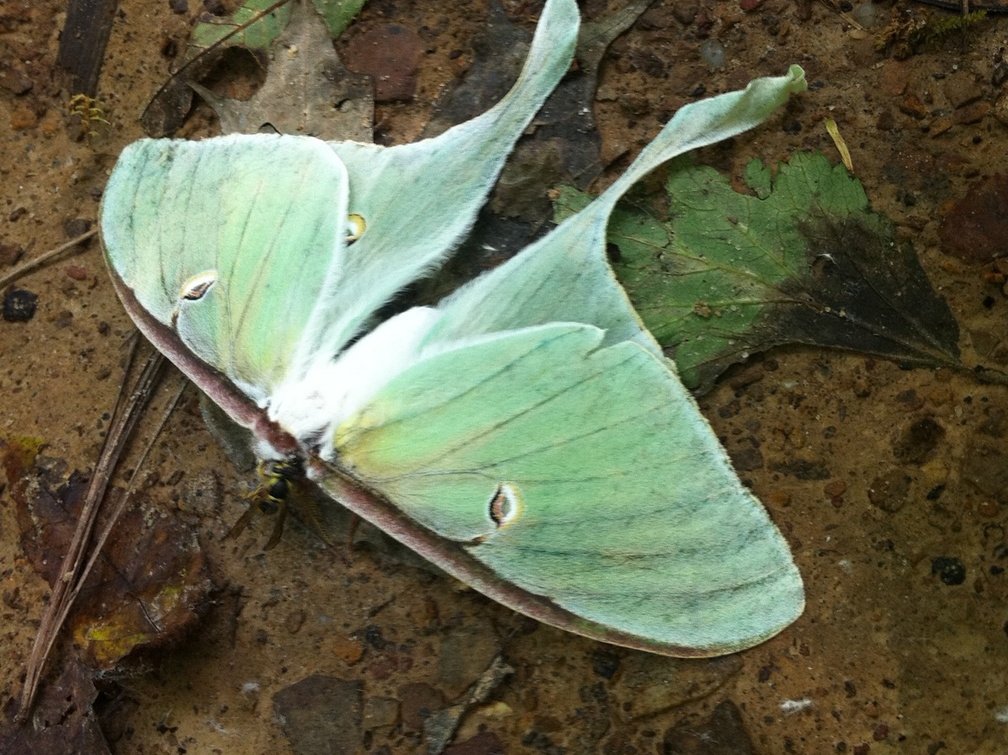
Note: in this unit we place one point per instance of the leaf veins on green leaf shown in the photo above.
(802, 259)
(259, 33)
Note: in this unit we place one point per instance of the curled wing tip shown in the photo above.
(797, 76)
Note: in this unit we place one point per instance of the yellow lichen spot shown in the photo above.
(834, 131)
(116, 634)
(110, 639)
(91, 113)
(703, 309)
(25, 447)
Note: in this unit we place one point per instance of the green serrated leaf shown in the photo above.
(338, 13)
(801, 260)
(259, 33)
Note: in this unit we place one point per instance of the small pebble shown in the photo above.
(321, 714)
(346, 649)
(381, 714)
(950, 570)
(19, 305)
(911, 105)
(15, 79)
(22, 117)
(940, 125)
(418, 701)
(10, 254)
(835, 488)
(890, 490)
(605, 664)
(971, 113)
(685, 11)
(294, 621)
(867, 14)
(712, 53)
(76, 227)
(988, 509)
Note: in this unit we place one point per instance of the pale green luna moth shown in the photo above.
(526, 434)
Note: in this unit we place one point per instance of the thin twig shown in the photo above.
(834, 5)
(210, 48)
(121, 506)
(124, 422)
(33, 264)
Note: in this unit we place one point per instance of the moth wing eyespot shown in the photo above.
(356, 225)
(197, 287)
(506, 506)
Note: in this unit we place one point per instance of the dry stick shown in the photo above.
(42, 259)
(210, 48)
(122, 427)
(121, 507)
(82, 43)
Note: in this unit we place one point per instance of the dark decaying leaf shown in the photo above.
(166, 111)
(255, 25)
(307, 90)
(147, 589)
(566, 122)
(975, 228)
(390, 55)
(441, 725)
(82, 42)
(722, 733)
(564, 125)
(562, 146)
(62, 721)
(170, 104)
(321, 714)
(801, 260)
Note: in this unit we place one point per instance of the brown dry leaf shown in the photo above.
(147, 588)
(63, 720)
(307, 90)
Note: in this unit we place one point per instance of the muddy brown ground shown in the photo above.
(887, 657)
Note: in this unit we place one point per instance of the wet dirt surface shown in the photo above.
(888, 483)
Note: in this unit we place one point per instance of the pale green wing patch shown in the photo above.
(585, 475)
(565, 276)
(543, 433)
(418, 200)
(228, 241)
